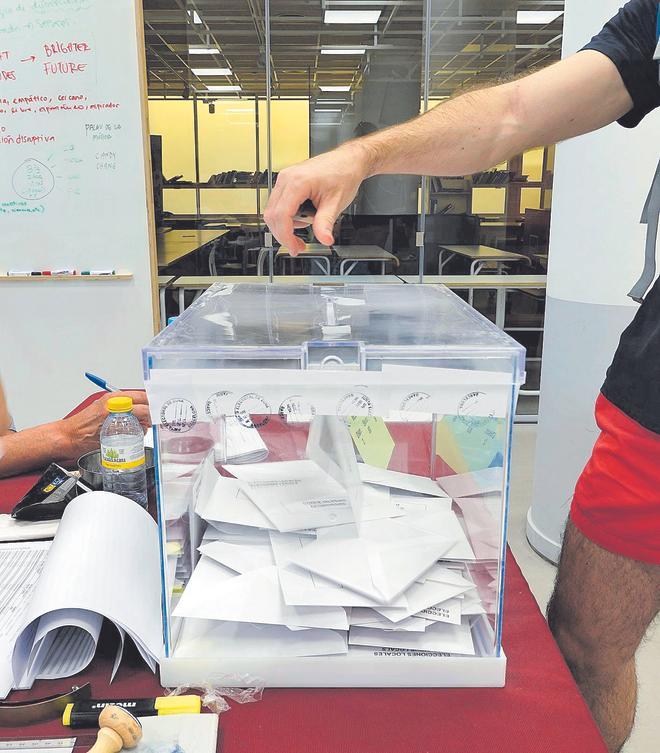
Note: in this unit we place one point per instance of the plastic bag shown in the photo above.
(215, 692)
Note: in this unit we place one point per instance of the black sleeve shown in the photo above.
(629, 41)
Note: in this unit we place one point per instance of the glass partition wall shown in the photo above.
(241, 89)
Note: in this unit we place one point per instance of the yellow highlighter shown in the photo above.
(86, 713)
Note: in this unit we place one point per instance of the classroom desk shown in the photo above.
(175, 245)
(353, 255)
(317, 253)
(539, 711)
(479, 255)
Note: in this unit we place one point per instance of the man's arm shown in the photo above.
(5, 418)
(62, 441)
(472, 132)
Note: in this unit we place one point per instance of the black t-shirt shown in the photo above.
(629, 41)
(633, 379)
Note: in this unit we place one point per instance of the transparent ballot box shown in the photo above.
(332, 475)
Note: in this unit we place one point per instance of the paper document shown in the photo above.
(20, 568)
(26, 530)
(192, 733)
(116, 541)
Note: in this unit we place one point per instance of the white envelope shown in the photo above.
(444, 574)
(407, 502)
(420, 596)
(484, 481)
(377, 503)
(301, 587)
(361, 617)
(240, 557)
(223, 639)
(440, 636)
(396, 480)
(222, 500)
(215, 593)
(381, 562)
(447, 525)
(294, 494)
(448, 611)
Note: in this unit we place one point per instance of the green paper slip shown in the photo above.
(372, 439)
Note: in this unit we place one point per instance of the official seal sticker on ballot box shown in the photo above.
(332, 474)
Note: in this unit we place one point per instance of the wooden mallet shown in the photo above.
(119, 729)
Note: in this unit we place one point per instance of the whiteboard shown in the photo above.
(74, 194)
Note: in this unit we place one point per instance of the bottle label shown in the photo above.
(122, 458)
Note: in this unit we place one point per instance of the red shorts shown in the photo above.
(617, 498)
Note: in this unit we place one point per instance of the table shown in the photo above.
(317, 253)
(175, 245)
(479, 255)
(539, 711)
(353, 255)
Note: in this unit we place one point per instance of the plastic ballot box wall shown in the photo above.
(332, 476)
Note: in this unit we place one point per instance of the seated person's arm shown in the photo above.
(62, 441)
(5, 418)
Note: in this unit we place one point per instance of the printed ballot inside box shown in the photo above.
(332, 473)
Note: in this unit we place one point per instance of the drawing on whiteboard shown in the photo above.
(32, 180)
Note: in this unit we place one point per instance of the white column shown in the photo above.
(596, 254)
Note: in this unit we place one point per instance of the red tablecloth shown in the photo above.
(539, 711)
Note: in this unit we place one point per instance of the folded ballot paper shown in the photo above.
(319, 556)
(54, 597)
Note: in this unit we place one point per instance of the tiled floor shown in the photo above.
(540, 576)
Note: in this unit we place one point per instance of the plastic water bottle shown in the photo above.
(122, 452)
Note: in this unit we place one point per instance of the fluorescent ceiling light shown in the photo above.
(351, 16)
(537, 16)
(195, 17)
(321, 102)
(530, 46)
(212, 71)
(223, 88)
(355, 51)
(329, 110)
(335, 88)
(202, 49)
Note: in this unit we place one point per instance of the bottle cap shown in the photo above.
(120, 404)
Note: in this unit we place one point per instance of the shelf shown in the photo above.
(206, 186)
(65, 278)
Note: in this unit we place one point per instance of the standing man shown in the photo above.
(608, 584)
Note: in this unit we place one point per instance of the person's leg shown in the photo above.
(601, 608)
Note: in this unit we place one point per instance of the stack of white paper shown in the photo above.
(286, 568)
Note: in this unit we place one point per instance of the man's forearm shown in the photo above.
(482, 128)
(35, 448)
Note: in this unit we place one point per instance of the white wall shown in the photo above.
(596, 254)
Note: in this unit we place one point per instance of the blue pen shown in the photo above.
(101, 382)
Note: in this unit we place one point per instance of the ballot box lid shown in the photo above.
(281, 321)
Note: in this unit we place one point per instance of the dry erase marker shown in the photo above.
(19, 273)
(86, 713)
(63, 271)
(104, 272)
